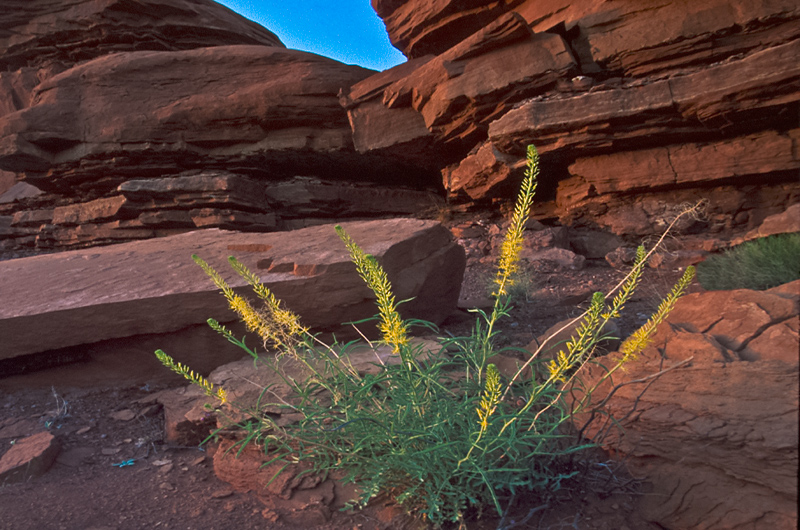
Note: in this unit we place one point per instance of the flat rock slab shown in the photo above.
(147, 287)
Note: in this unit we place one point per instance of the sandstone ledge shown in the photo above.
(147, 287)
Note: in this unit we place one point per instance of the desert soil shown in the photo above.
(175, 487)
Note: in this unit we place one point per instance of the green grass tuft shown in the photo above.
(759, 264)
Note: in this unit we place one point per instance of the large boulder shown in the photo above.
(264, 110)
(149, 119)
(153, 287)
(37, 32)
(42, 38)
(716, 434)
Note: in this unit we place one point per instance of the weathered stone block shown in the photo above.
(152, 286)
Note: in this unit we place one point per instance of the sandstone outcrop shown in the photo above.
(717, 436)
(450, 99)
(151, 287)
(635, 110)
(655, 104)
(177, 90)
(157, 207)
(147, 113)
(38, 32)
(605, 34)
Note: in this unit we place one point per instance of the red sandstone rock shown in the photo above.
(71, 31)
(295, 496)
(7, 181)
(785, 222)
(153, 286)
(313, 199)
(728, 208)
(29, 458)
(385, 122)
(460, 91)
(712, 76)
(431, 27)
(283, 103)
(765, 81)
(98, 210)
(484, 173)
(690, 163)
(624, 37)
(669, 111)
(717, 438)
(19, 190)
(637, 39)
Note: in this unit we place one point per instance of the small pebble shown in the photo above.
(123, 415)
(221, 494)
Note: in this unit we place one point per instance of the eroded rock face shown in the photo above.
(148, 113)
(38, 32)
(151, 287)
(421, 28)
(605, 34)
(451, 99)
(717, 437)
(635, 109)
(710, 89)
(99, 97)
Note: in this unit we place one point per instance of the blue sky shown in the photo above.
(348, 30)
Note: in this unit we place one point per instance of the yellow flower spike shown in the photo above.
(215, 277)
(392, 326)
(287, 321)
(490, 398)
(492, 393)
(640, 338)
(196, 379)
(275, 324)
(512, 244)
(247, 314)
(558, 367)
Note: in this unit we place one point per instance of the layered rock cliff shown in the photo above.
(140, 119)
(635, 107)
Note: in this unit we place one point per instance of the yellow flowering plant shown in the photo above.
(440, 431)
